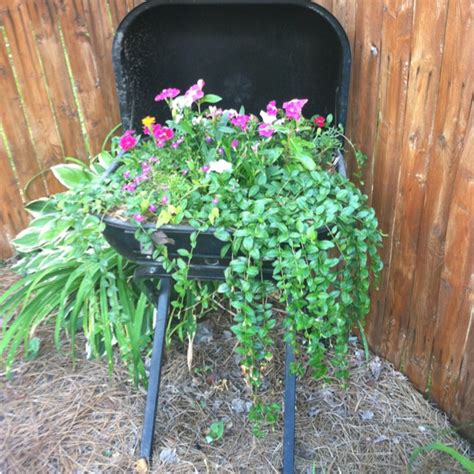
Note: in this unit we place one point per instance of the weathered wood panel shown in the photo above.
(410, 112)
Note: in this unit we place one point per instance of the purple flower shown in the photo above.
(138, 217)
(205, 169)
(176, 144)
(234, 144)
(130, 187)
(241, 121)
(264, 130)
(126, 174)
(152, 208)
(127, 140)
(154, 159)
(195, 92)
(164, 200)
(215, 201)
(272, 109)
(184, 172)
(220, 150)
(145, 167)
(208, 139)
(293, 108)
(167, 94)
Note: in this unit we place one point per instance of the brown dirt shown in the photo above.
(57, 416)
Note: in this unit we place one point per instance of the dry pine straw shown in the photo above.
(57, 417)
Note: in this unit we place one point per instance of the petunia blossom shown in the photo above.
(264, 130)
(293, 108)
(270, 115)
(152, 208)
(220, 166)
(169, 93)
(195, 92)
(128, 140)
(241, 121)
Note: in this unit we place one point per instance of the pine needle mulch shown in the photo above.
(57, 416)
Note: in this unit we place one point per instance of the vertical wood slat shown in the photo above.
(397, 22)
(38, 114)
(416, 149)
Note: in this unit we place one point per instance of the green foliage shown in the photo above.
(216, 431)
(72, 279)
(456, 455)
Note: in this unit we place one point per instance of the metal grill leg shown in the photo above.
(289, 413)
(162, 307)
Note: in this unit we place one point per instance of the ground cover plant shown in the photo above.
(267, 187)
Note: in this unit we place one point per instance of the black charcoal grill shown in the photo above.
(249, 52)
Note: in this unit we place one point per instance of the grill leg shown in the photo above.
(161, 313)
(289, 413)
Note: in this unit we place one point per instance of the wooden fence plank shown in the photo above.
(48, 146)
(452, 125)
(423, 82)
(395, 56)
(45, 24)
(14, 125)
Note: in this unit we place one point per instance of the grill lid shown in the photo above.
(248, 52)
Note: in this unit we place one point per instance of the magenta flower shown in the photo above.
(164, 200)
(152, 208)
(138, 217)
(162, 134)
(170, 93)
(272, 109)
(205, 169)
(130, 187)
(154, 159)
(126, 174)
(293, 108)
(264, 130)
(195, 92)
(127, 140)
(234, 144)
(241, 121)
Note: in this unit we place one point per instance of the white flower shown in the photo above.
(267, 118)
(220, 166)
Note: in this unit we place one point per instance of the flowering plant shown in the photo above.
(267, 186)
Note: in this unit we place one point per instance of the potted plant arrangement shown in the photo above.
(292, 230)
(260, 195)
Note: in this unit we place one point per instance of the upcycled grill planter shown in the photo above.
(248, 52)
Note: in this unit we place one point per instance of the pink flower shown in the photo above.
(195, 92)
(154, 159)
(264, 130)
(126, 174)
(170, 93)
(205, 169)
(162, 134)
(215, 201)
(319, 121)
(152, 208)
(127, 140)
(272, 109)
(164, 200)
(184, 172)
(293, 108)
(234, 144)
(138, 217)
(241, 121)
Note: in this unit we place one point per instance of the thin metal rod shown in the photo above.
(155, 370)
(289, 413)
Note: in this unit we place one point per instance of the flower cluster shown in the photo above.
(199, 149)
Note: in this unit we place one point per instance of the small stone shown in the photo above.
(227, 334)
(168, 456)
(375, 367)
(366, 415)
(241, 406)
(203, 334)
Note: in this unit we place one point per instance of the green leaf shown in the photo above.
(463, 460)
(71, 175)
(211, 99)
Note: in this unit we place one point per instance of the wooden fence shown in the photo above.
(410, 111)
